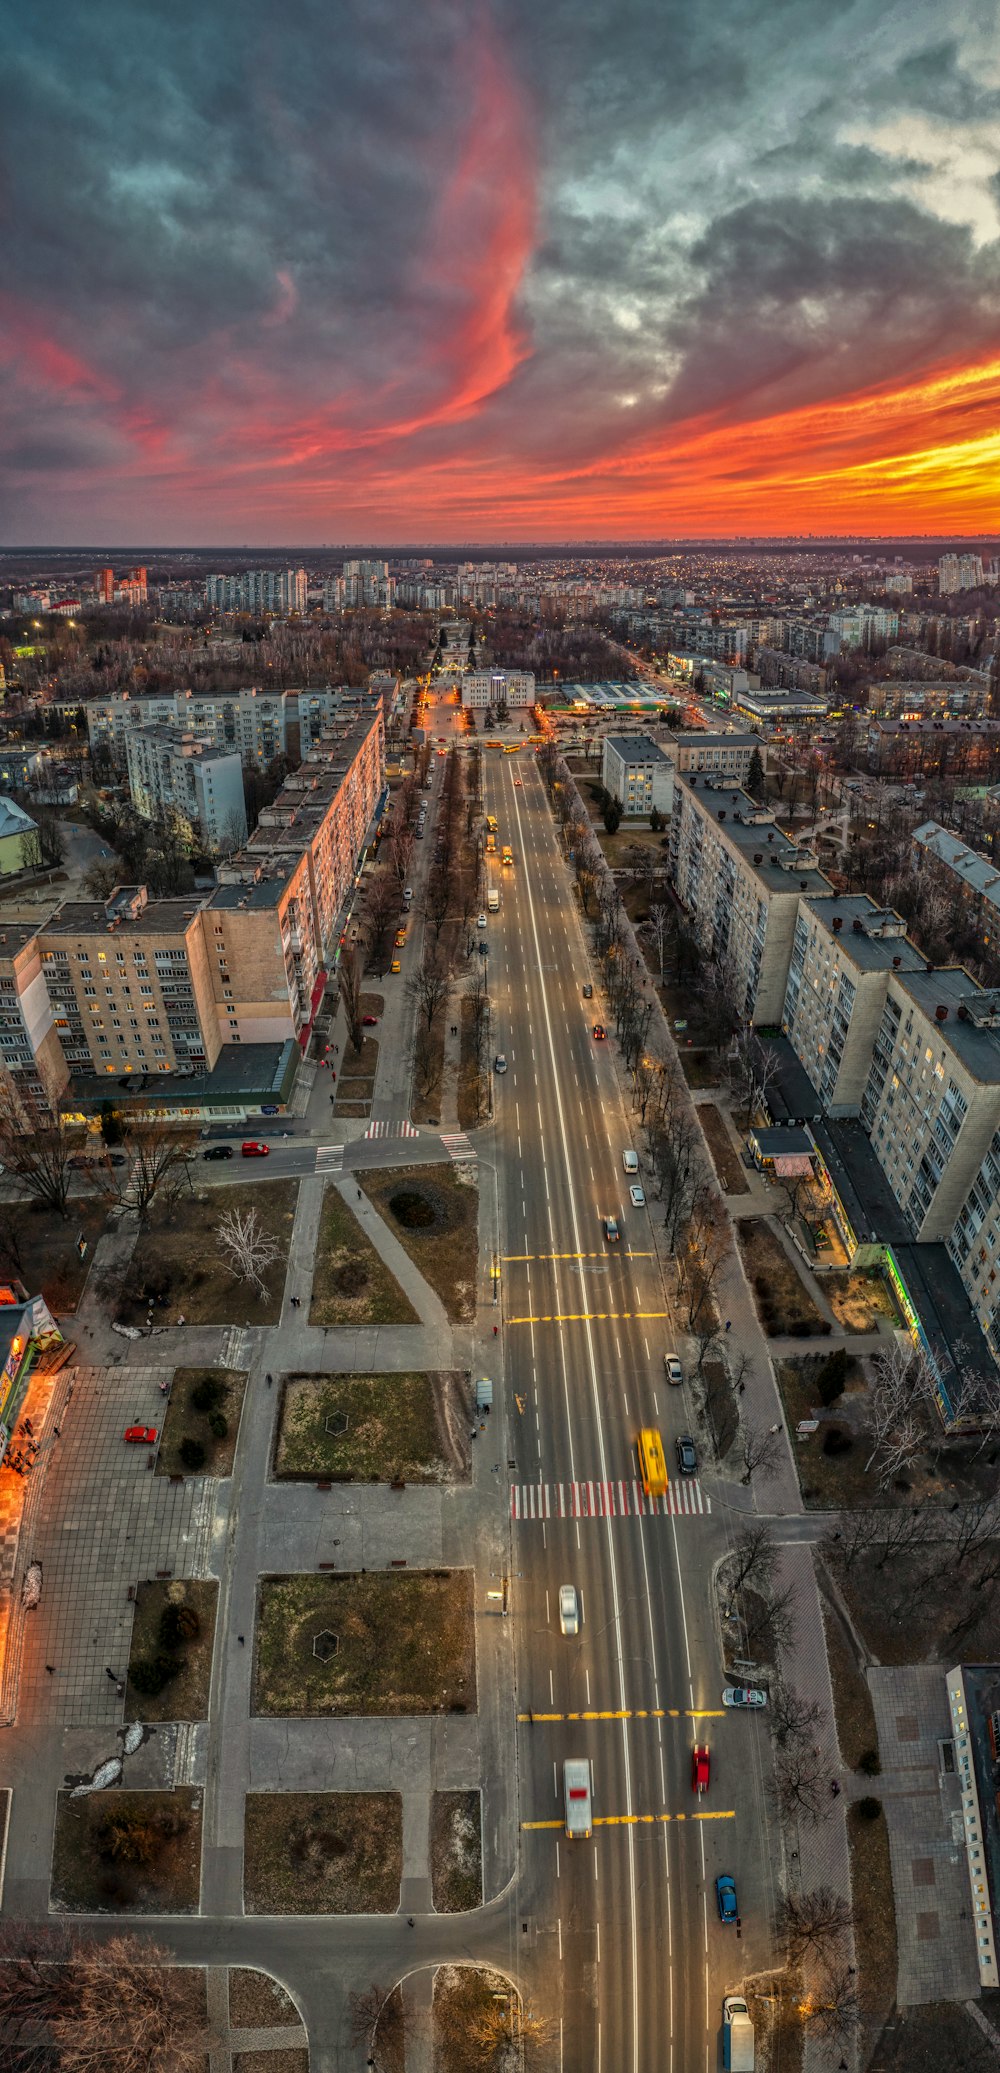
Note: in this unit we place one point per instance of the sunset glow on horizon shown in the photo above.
(497, 272)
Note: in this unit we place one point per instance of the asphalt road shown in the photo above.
(630, 1957)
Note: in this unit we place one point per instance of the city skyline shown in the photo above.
(496, 277)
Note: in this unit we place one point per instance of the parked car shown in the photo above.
(600, 1033)
(217, 1151)
(743, 1695)
(672, 1368)
(611, 1231)
(482, 922)
(588, 992)
(116, 1159)
(140, 1435)
(630, 1162)
(725, 1894)
(499, 1062)
(687, 1455)
(700, 1768)
(253, 1149)
(369, 1021)
(637, 1196)
(569, 1609)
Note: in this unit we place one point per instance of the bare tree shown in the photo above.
(660, 928)
(83, 2006)
(761, 1447)
(811, 1922)
(247, 1248)
(438, 900)
(752, 1071)
(793, 1719)
(428, 989)
(798, 1789)
(751, 1559)
(377, 2020)
(35, 1146)
(770, 1620)
(379, 909)
(350, 994)
(160, 1155)
(900, 1392)
(831, 2004)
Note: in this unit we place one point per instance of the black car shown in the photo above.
(687, 1455)
(218, 1151)
(117, 1159)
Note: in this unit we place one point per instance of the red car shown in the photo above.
(369, 1021)
(700, 1769)
(141, 1435)
(600, 1033)
(253, 1149)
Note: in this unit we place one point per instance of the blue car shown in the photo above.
(725, 1894)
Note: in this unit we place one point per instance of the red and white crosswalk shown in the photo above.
(385, 1128)
(622, 1499)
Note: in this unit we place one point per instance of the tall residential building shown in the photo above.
(259, 590)
(104, 584)
(638, 772)
(959, 572)
(843, 950)
(257, 724)
(172, 774)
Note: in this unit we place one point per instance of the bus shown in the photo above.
(508, 855)
(652, 1466)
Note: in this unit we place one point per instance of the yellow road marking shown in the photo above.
(513, 1259)
(590, 1317)
(640, 1820)
(632, 1713)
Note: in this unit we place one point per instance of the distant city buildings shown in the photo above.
(256, 591)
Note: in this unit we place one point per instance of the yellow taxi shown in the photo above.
(400, 938)
(395, 965)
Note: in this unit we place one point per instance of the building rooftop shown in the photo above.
(636, 748)
(181, 742)
(734, 739)
(90, 918)
(242, 1073)
(967, 1012)
(13, 819)
(872, 938)
(975, 871)
(782, 865)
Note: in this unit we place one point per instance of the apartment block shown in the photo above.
(960, 873)
(257, 725)
(932, 1099)
(639, 773)
(259, 590)
(172, 774)
(128, 981)
(843, 951)
(31, 1055)
(741, 879)
(496, 687)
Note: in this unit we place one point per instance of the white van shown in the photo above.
(493, 900)
(578, 1796)
(630, 1162)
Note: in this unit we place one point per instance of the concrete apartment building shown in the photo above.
(639, 773)
(173, 775)
(494, 687)
(741, 880)
(960, 873)
(128, 982)
(257, 725)
(32, 1064)
(843, 950)
(931, 1103)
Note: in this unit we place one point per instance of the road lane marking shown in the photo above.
(631, 1713)
(514, 1259)
(613, 1498)
(588, 1317)
(638, 1820)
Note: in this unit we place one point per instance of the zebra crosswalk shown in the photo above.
(624, 1498)
(457, 1145)
(330, 1158)
(384, 1127)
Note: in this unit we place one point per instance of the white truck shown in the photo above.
(578, 1796)
(493, 900)
(737, 2035)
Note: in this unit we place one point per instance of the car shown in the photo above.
(588, 992)
(252, 1148)
(636, 1196)
(482, 922)
(687, 1455)
(600, 1033)
(672, 1369)
(116, 1158)
(519, 784)
(499, 1062)
(217, 1151)
(725, 1894)
(400, 938)
(611, 1231)
(369, 1021)
(140, 1435)
(569, 1609)
(408, 895)
(701, 1768)
(395, 965)
(630, 1162)
(743, 1695)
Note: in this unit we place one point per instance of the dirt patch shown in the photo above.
(859, 1301)
(258, 2002)
(164, 1634)
(294, 2061)
(720, 1407)
(372, 1004)
(323, 1853)
(446, 1248)
(784, 1305)
(128, 1853)
(920, 1605)
(351, 1282)
(412, 1428)
(356, 1111)
(874, 1922)
(725, 1158)
(937, 2039)
(361, 1065)
(857, 1734)
(700, 1068)
(773, 1999)
(404, 1643)
(191, 1416)
(456, 1851)
(473, 1084)
(40, 1248)
(177, 1262)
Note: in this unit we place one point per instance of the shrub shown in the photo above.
(152, 1674)
(129, 1837)
(869, 1763)
(207, 1393)
(178, 1623)
(869, 1809)
(412, 1210)
(218, 1424)
(837, 1441)
(192, 1452)
(832, 1376)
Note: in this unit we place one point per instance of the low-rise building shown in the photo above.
(724, 755)
(639, 773)
(18, 839)
(772, 711)
(485, 688)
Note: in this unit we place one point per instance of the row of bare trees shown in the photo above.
(69, 2005)
(43, 1152)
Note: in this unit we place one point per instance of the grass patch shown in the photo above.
(322, 1853)
(177, 1262)
(700, 1068)
(412, 1427)
(184, 1420)
(726, 1160)
(185, 1696)
(446, 1249)
(351, 1283)
(128, 1853)
(829, 1481)
(456, 1851)
(858, 1301)
(405, 1644)
(919, 1605)
(258, 2002)
(874, 1921)
(854, 1713)
(785, 1307)
(40, 1247)
(720, 1407)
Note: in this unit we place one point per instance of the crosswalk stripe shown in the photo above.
(607, 1500)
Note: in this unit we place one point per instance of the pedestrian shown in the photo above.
(113, 1674)
(163, 1389)
(28, 1427)
(119, 1689)
(496, 1329)
(56, 1431)
(729, 1324)
(270, 1380)
(473, 1435)
(742, 1387)
(241, 1638)
(51, 1668)
(359, 1194)
(410, 1923)
(774, 1428)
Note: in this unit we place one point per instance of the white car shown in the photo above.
(743, 1695)
(499, 1062)
(482, 923)
(569, 1609)
(636, 1196)
(672, 1367)
(630, 1162)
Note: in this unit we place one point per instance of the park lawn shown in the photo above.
(456, 1851)
(859, 1301)
(400, 1427)
(857, 1733)
(41, 1247)
(784, 1304)
(259, 2002)
(186, 1696)
(446, 1249)
(405, 1643)
(87, 1879)
(322, 1853)
(725, 1158)
(176, 1255)
(351, 1282)
(874, 1920)
(181, 1418)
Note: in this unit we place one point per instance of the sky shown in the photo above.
(498, 269)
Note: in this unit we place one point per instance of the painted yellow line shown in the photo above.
(591, 1317)
(640, 1820)
(514, 1259)
(631, 1713)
